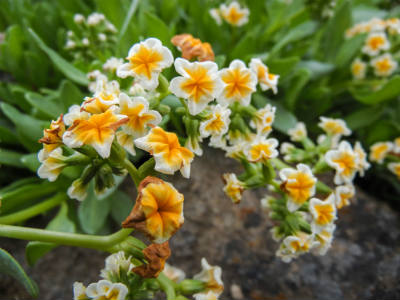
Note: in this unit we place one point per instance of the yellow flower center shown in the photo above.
(145, 61)
(325, 213)
(300, 189)
(237, 83)
(376, 42)
(344, 199)
(234, 16)
(357, 68)
(298, 246)
(333, 127)
(347, 163)
(199, 83)
(216, 124)
(260, 151)
(136, 121)
(379, 152)
(383, 65)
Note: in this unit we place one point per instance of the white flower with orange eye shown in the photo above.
(323, 212)
(294, 245)
(239, 84)
(173, 273)
(75, 113)
(140, 117)
(343, 195)
(146, 61)
(298, 133)
(215, 13)
(263, 119)
(105, 96)
(299, 184)
(324, 239)
(79, 291)
(379, 151)
(384, 65)
(211, 276)
(261, 149)
(98, 131)
(393, 26)
(168, 154)
(394, 167)
(376, 42)
(266, 80)
(199, 84)
(396, 145)
(363, 163)
(217, 123)
(127, 141)
(233, 187)
(234, 14)
(52, 166)
(210, 295)
(286, 148)
(106, 290)
(112, 64)
(345, 161)
(116, 264)
(335, 128)
(358, 69)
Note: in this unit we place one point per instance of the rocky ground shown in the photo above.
(363, 263)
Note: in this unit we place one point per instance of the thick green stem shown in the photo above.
(33, 210)
(323, 188)
(62, 238)
(146, 168)
(167, 286)
(133, 172)
(279, 164)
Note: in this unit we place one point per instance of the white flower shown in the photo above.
(379, 151)
(210, 295)
(77, 190)
(394, 167)
(343, 195)
(345, 161)
(79, 19)
(85, 42)
(193, 144)
(263, 119)
(239, 84)
(384, 65)
(233, 187)
(199, 83)
(295, 245)
(323, 212)
(216, 15)
(106, 290)
(79, 291)
(363, 163)
(376, 42)
(102, 37)
(112, 64)
(266, 80)
(70, 44)
(211, 276)
(324, 239)
(217, 123)
(75, 113)
(110, 27)
(298, 133)
(52, 166)
(146, 61)
(95, 18)
(335, 128)
(173, 273)
(358, 69)
(127, 141)
(115, 265)
(261, 149)
(299, 184)
(286, 148)
(234, 14)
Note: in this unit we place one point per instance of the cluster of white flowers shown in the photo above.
(388, 154)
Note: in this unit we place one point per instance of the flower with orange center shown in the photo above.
(52, 138)
(343, 195)
(294, 245)
(376, 42)
(105, 96)
(345, 161)
(75, 112)
(266, 80)
(97, 131)
(234, 14)
(396, 145)
(384, 65)
(335, 128)
(199, 83)
(168, 154)
(263, 119)
(158, 211)
(363, 163)
(299, 184)
(146, 61)
(323, 212)
(192, 47)
(239, 84)
(324, 239)
(393, 26)
(217, 123)
(394, 167)
(261, 149)
(233, 187)
(379, 151)
(298, 133)
(140, 118)
(358, 69)
(211, 276)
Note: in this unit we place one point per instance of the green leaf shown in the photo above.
(299, 80)
(44, 105)
(9, 266)
(7, 136)
(317, 68)
(127, 20)
(61, 222)
(364, 117)
(382, 130)
(348, 50)
(64, 66)
(70, 94)
(388, 91)
(284, 119)
(283, 66)
(157, 28)
(31, 161)
(11, 158)
(121, 206)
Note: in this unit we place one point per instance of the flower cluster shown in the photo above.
(232, 14)
(94, 36)
(387, 154)
(381, 39)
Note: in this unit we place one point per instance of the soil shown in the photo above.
(363, 263)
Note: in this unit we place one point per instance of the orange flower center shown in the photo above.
(199, 83)
(347, 163)
(237, 83)
(300, 189)
(145, 61)
(325, 213)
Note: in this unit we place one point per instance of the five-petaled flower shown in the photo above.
(394, 167)
(263, 119)
(298, 133)
(211, 276)
(376, 42)
(345, 161)
(343, 195)
(299, 184)
(324, 239)
(234, 14)
(233, 187)
(358, 69)
(168, 154)
(199, 83)
(97, 131)
(146, 61)
(107, 290)
(334, 127)
(239, 84)
(261, 149)
(379, 151)
(323, 212)
(217, 122)
(384, 65)
(158, 211)
(266, 79)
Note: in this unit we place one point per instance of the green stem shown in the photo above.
(323, 188)
(63, 238)
(146, 168)
(279, 164)
(167, 286)
(33, 210)
(133, 172)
